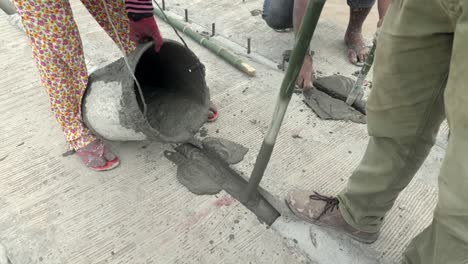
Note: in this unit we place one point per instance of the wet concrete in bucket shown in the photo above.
(205, 170)
(328, 100)
(175, 114)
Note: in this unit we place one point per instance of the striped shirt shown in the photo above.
(139, 6)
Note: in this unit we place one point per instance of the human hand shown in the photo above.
(146, 29)
(143, 26)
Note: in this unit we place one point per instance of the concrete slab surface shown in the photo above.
(56, 211)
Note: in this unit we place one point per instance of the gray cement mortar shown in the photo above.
(206, 171)
(328, 100)
(197, 173)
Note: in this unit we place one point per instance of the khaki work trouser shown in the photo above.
(420, 77)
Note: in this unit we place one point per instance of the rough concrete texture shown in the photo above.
(56, 211)
(324, 245)
(4, 255)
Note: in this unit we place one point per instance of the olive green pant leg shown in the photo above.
(446, 240)
(404, 111)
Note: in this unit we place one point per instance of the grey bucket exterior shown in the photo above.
(112, 107)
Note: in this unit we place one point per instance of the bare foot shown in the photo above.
(357, 50)
(306, 75)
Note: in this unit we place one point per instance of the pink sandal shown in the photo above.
(98, 157)
(213, 113)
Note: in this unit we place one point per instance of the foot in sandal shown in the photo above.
(98, 157)
(213, 113)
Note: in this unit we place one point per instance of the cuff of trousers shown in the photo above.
(82, 141)
(345, 212)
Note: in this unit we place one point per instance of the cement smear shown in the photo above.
(206, 170)
(196, 172)
(227, 150)
(328, 100)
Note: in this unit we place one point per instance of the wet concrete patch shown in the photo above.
(328, 100)
(329, 108)
(227, 150)
(205, 170)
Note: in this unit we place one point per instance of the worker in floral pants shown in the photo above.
(58, 52)
(420, 78)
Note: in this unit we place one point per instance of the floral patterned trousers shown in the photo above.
(58, 51)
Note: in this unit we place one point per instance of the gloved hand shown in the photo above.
(143, 26)
(145, 30)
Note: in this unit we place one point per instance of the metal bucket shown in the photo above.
(174, 89)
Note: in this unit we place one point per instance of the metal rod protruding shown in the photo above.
(186, 15)
(249, 45)
(213, 29)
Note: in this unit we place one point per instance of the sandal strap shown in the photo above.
(96, 151)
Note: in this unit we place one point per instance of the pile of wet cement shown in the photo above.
(175, 113)
(205, 170)
(199, 174)
(328, 100)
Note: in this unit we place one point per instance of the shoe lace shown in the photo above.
(331, 203)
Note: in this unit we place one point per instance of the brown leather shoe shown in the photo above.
(324, 211)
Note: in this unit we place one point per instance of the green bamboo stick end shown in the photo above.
(217, 49)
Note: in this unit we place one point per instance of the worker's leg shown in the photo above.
(358, 11)
(116, 24)
(57, 49)
(446, 240)
(306, 75)
(404, 110)
(278, 14)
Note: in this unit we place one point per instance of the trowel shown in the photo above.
(357, 90)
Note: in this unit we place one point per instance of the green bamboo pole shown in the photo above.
(309, 23)
(207, 43)
(357, 87)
